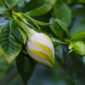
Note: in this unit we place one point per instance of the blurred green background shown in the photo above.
(41, 76)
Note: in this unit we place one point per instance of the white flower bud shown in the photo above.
(40, 48)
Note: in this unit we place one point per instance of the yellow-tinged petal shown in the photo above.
(45, 48)
(42, 56)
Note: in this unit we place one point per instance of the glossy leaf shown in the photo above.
(62, 12)
(78, 37)
(35, 21)
(78, 28)
(18, 33)
(56, 41)
(63, 27)
(37, 7)
(9, 46)
(13, 3)
(3, 8)
(25, 67)
(22, 25)
(58, 28)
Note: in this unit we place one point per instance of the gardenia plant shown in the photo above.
(45, 33)
(39, 46)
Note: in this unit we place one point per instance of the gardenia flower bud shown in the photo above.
(40, 48)
(78, 47)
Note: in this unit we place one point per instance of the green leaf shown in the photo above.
(9, 46)
(13, 3)
(3, 8)
(35, 21)
(78, 28)
(63, 27)
(25, 67)
(37, 7)
(56, 41)
(78, 37)
(62, 12)
(18, 33)
(23, 25)
(58, 28)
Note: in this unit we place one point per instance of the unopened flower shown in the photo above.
(78, 47)
(40, 48)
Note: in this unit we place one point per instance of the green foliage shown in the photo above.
(6, 5)
(2, 7)
(62, 12)
(18, 33)
(25, 67)
(37, 7)
(13, 3)
(79, 27)
(58, 28)
(79, 36)
(78, 31)
(62, 19)
(9, 47)
(56, 41)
